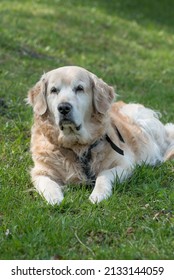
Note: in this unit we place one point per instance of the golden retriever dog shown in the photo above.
(80, 136)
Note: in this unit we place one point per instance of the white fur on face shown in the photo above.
(75, 89)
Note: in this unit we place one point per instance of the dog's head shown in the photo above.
(71, 96)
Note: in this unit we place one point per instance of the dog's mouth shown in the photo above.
(69, 124)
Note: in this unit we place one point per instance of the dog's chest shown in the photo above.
(77, 168)
(85, 166)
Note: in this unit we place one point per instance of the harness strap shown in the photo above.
(86, 157)
(114, 146)
(119, 134)
(85, 162)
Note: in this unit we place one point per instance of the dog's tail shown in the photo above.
(169, 155)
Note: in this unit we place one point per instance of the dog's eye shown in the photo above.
(79, 88)
(54, 90)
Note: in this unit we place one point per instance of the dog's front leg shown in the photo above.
(104, 182)
(49, 189)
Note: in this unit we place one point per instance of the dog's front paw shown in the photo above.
(53, 195)
(97, 195)
(49, 189)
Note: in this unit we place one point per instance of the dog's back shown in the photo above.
(157, 140)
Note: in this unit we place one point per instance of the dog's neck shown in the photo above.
(84, 159)
(81, 152)
(91, 137)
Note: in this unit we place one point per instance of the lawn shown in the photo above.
(130, 45)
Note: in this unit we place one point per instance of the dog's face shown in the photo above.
(69, 98)
(71, 95)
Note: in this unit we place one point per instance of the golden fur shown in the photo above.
(72, 110)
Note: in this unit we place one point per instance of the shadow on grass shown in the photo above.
(144, 12)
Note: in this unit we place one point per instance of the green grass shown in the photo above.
(127, 43)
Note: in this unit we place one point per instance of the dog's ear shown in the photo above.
(37, 97)
(103, 94)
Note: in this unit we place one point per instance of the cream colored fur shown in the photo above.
(58, 141)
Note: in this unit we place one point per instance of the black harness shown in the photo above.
(86, 157)
(85, 163)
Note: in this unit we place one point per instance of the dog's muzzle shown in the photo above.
(65, 116)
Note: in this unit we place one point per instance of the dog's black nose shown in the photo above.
(64, 108)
